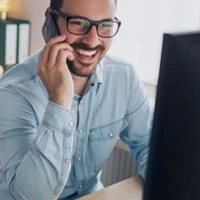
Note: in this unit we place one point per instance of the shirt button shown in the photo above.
(81, 102)
(110, 134)
(78, 158)
(80, 186)
(66, 161)
(80, 131)
(92, 84)
(70, 123)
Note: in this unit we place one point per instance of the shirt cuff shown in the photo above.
(59, 118)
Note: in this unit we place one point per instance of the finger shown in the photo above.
(54, 52)
(63, 55)
(57, 39)
(45, 53)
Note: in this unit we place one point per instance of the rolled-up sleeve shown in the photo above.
(35, 159)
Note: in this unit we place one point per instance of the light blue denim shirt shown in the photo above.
(48, 152)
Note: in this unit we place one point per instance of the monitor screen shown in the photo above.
(174, 160)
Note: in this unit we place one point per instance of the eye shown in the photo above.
(80, 22)
(106, 24)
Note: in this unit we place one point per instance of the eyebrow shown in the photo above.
(105, 19)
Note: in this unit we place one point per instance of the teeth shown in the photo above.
(86, 53)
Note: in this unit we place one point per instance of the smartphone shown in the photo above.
(50, 28)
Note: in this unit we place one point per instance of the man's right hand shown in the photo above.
(54, 72)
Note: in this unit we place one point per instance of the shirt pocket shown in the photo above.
(102, 142)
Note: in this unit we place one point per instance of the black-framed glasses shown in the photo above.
(81, 26)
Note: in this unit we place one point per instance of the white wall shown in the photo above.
(143, 24)
(140, 37)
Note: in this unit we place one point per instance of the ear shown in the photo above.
(47, 11)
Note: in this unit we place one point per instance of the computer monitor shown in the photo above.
(173, 171)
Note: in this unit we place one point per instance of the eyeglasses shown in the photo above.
(81, 25)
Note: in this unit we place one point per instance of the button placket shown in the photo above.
(110, 134)
(92, 84)
(71, 123)
(80, 129)
(67, 161)
(80, 186)
(78, 158)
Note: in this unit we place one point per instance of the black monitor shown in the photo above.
(173, 171)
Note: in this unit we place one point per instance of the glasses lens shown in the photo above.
(107, 28)
(78, 25)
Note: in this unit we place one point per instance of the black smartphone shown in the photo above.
(50, 28)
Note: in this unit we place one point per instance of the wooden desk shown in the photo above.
(130, 189)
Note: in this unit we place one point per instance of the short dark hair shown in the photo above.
(57, 4)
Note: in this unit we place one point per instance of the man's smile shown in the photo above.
(85, 56)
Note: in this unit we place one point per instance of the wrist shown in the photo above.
(63, 103)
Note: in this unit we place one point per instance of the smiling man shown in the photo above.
(64, 108)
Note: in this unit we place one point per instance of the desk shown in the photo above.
(129, 189)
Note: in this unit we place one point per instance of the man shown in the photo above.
(60, 121)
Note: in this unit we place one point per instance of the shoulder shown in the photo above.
(22, 72)
(111, 60)
(23, 82)
(117, 67)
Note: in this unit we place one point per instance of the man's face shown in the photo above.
(89, 49)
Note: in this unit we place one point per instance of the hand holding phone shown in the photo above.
(52, 67)
(50, 28)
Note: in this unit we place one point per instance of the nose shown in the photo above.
(91, 38)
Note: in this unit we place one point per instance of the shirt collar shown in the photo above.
(97, 76)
